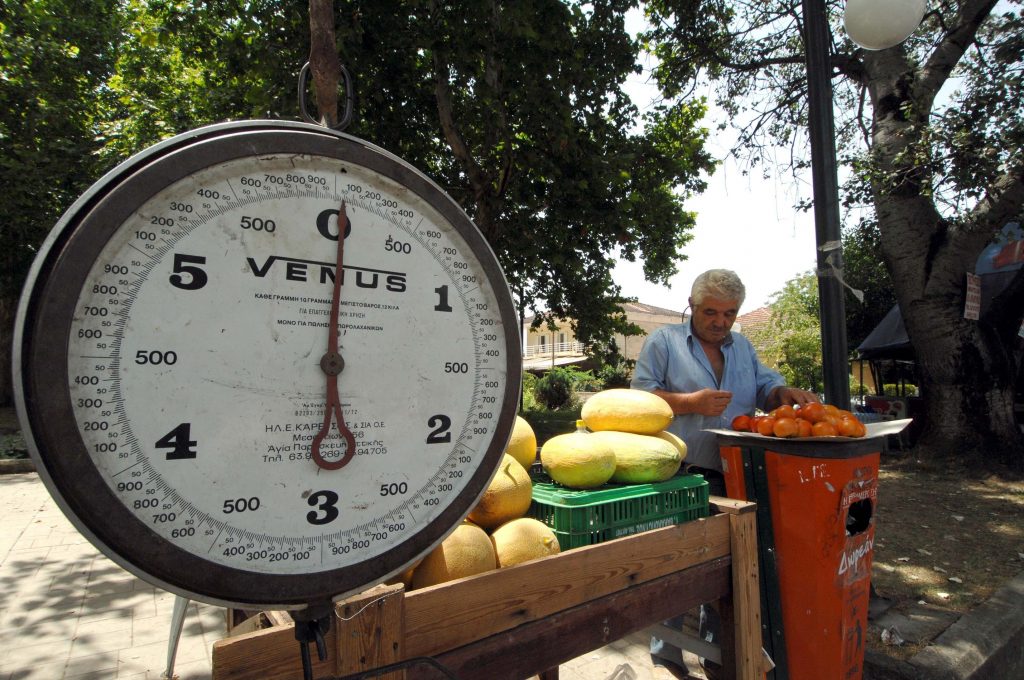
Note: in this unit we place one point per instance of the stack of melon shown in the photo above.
(626, 443)
(496, 533)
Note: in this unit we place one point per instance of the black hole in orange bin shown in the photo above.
(858, 517)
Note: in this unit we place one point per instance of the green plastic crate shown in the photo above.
(581, 518)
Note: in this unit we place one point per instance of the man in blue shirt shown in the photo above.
(708, 375)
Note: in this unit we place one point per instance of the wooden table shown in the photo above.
(525, 620)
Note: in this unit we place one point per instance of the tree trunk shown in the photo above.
(8, 308)
(967, 368)
(968, 385)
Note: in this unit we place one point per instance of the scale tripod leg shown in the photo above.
(177, 623)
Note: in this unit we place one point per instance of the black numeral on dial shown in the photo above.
(440, 433)
(326, 502)
(186, 264)
(179, 442)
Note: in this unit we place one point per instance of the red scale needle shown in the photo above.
(332, 364)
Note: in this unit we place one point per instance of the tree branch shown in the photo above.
(492, 76)
(759, 64)
(478, 179)
(323, 60)
(951, 49)
(1003, 201)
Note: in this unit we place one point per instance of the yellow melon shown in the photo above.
(506, 497)
(523, 444)
(522, 540)
(623, 410)
(640, 458)
(467, 551)
(577, 460)
(675, 441)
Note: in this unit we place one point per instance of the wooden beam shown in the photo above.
(370, 627)
(269, 654)
(538, 645)
(746, 595)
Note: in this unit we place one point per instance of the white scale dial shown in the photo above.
(196, 297)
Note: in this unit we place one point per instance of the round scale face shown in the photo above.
(171, 345)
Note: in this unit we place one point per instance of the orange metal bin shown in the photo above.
(816, 531)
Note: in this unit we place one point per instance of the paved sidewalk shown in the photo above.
(66, 611)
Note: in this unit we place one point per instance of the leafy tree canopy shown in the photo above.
(55, 55)
(791, 341)
(516, 109)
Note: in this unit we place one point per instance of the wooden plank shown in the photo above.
(497, 601)
(270, 654)
(746, 595)
(370, 631)
(538, 645)
(691, 643)
(278, 618)
(731, 506)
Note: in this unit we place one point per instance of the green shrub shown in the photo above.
(895, 390)
(615, 375)
(529, 385)
(584, 381)
(547, 424)
(555, 389)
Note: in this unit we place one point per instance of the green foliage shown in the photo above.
(54, 57)
(791, 342)
(900, 390)
(585, 381)
(613, 369)
(554, 389)
(865, 270)
(616, 375)
(557, 388)
(547, 424)
(516, 109)
(529, 389)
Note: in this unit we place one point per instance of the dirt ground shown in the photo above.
(943, 538)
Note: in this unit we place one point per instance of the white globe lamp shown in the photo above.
(879, 24)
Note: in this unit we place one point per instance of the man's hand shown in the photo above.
(791, 396)
(709, 402)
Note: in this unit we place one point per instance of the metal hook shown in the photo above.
(346, 118)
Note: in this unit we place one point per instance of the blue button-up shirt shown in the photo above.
(673, 360)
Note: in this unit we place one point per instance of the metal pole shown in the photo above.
(825, 183)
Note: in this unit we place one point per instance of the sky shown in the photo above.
(744, 223)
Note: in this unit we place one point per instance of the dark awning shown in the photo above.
(888, 340)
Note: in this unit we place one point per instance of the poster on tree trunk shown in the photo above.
(972, 302)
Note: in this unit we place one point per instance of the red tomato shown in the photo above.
(785, 411)
(766, 426)
(813, 412)
(741, 423)
(824, 429)
(785, 427)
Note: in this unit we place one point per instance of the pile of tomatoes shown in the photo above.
(809, 420)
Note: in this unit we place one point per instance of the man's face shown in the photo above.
(713, 318)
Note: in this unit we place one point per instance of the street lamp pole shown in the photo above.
(825, 185)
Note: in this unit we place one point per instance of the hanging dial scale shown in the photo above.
(266, 364)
